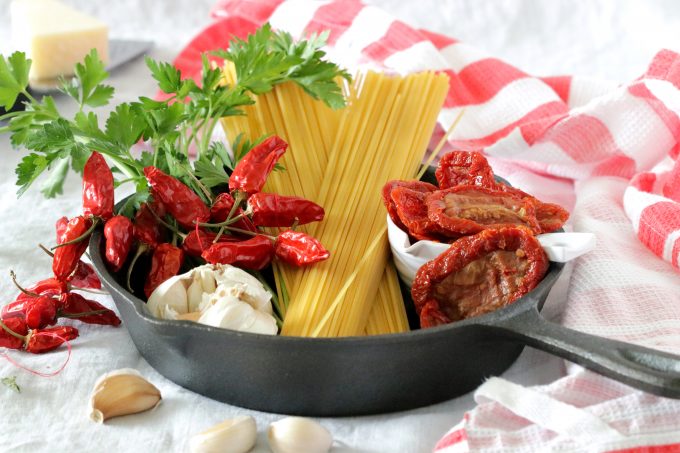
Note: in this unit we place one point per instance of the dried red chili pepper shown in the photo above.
(60, 226)
(119, 233)
(75, 306)
(222, 207)
(299, 249)
(40, 312)
(464, 168)
(45, 340)
(272, 210)
(146, 227)
(197, 241)
(180, 201)
(67, 257)
(16, 326)
(253, 169)
(165, 263)
(419, 186)
(478, 274)
(98, 197)
(255, 253)
(471, 209)
(85, 277)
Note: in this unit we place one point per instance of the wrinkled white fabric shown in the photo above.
(611, 40)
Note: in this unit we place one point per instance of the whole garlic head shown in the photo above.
(298, 435)
(218, 292)
(236, 435)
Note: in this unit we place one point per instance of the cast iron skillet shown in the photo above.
(369, 375)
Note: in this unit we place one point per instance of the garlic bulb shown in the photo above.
(122, 392)
(236, 435)
(217, 295)
(298, 435)
(230, 312)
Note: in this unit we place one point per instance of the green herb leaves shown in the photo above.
(11, 383)
(86, 87)
(13, 78)
(267, 58)
(173, 128)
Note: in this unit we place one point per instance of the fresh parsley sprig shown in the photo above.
(184, 121)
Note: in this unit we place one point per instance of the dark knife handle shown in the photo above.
(647, 369)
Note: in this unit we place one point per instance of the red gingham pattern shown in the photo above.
(617, 145)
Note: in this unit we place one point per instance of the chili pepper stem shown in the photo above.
(46, 250)
(219, 233)
(80, 238)
(250, 233)
(13, 333)
(88, 290)
(166, 224)
(21, 288)
(140, 250)
(225, 223)
(237, 201)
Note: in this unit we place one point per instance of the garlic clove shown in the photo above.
(122, 392)
(236, 435)
(171, 293)
(195, 292)
(208, 280)
(252, 290)
(193, 316)
(231, 313)
(298, 435)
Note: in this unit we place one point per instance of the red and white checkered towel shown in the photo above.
(608, 151)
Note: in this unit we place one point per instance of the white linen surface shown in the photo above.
(613, 40)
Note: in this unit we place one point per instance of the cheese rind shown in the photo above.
(55, 36)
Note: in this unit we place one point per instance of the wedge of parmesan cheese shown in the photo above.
(55, 36)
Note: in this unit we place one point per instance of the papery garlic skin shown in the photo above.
(230, 312)
(221, 293)
(298, 435)
(122, 392)
(169, 299)
(236, 435)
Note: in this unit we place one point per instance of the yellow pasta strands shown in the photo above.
(341, 160)
(383, 135)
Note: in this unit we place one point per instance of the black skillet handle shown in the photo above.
(647, 369)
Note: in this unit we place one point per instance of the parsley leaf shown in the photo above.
(13, 78)
(54, 184)
(11, 383)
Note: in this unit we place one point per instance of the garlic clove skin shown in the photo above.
(195, 292)
(208, 280)
(251, 289)
(298, 435)
(172, 293)
(193, 316)
(229, 312)
(122, 392)
(236, 435)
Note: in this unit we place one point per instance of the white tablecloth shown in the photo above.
(612, 40)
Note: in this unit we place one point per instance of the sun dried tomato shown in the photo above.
(478, 274)
(550, 216)
(419, 186)
(471, 209)
(464, 168)
(412, 211)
